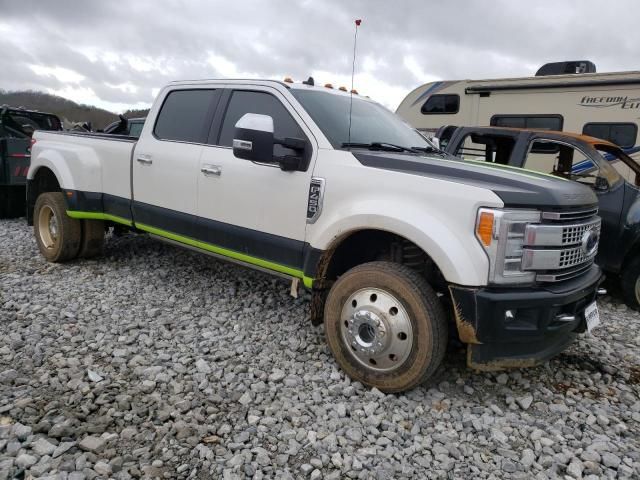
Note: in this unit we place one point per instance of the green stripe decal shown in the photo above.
(98, 216)
(307, 281)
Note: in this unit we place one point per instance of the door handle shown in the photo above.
(144, 160)
(211, 170)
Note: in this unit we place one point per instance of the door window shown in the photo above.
(495, 149)
(184, 116)
(246, 101)
(622, 134)
(568, 162)
(624, 165)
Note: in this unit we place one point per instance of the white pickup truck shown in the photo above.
(397, 241)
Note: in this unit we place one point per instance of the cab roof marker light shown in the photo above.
(288, 80)
(328, 85)
(354, 91)
(343, 89)
(484, 230)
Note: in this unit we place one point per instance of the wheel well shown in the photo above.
(370, 245)
(365, 246)
(43, 181)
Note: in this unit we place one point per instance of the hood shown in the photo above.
(516, 187)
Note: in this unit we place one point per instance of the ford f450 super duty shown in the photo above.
(397, 240)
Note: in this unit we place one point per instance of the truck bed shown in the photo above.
(104, 163)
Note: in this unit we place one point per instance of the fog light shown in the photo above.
(510, 315)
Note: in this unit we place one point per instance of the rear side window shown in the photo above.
(183, 116)
(495, 149)
(447, 103)
(543, 122)
(622, 134)
(135, 129)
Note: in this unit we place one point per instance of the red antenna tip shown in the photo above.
(358, 22)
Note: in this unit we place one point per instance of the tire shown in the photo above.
(92, 241)
(630, 284)
(385, 326)
(58, 235)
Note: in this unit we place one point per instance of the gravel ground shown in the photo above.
(159, 362)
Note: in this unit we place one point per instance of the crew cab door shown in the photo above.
(254, 209)
(166, 161)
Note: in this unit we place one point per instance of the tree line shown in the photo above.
(69, 111)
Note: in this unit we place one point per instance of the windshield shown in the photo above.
(370, 122)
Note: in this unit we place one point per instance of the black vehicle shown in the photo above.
(613, 175)
(16, 127)
(130, 127)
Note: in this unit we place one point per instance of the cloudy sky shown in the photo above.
(116, 54)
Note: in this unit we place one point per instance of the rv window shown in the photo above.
(543, 122)
(441, 104)
(622, 134)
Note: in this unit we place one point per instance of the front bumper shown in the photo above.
(533, 332)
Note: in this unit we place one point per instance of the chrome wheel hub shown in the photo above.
(376, 329)
(48, 227)
(53, 227)
(366, 332)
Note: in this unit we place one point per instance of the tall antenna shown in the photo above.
(353, 70)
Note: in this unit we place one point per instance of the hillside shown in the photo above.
(67, 110)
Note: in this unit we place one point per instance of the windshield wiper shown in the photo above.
(390, 147)
(430, 149)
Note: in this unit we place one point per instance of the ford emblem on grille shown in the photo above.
(590, 242)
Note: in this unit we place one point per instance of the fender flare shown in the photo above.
(59, 169)
(461, 260)
(75, 169)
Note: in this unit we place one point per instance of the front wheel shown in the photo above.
(385, 326)
(57, 234)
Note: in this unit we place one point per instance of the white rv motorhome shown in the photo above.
(564, 96)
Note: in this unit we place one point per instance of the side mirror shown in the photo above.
(601, 184)
(254, 140)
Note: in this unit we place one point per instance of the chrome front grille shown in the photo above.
(562, 247)
(558, 235)
(573, 235)
(573, 256)
(570, 215)
(560, 275)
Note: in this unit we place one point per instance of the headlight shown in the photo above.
(501, 233)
